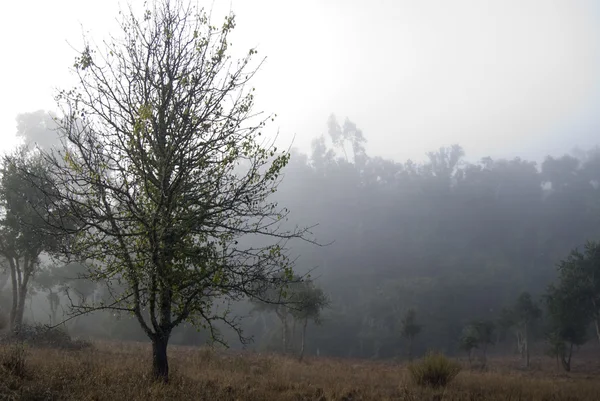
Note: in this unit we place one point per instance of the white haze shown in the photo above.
(502, 78)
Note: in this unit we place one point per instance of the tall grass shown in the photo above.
(13, 358)
(119, 371)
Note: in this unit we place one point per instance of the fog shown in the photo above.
(446, 153)
(503, 79)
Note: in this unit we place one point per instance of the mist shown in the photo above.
(503, 79)
(444, 160)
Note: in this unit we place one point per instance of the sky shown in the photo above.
(502, 78)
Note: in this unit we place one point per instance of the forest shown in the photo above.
(452, 241)
(151, 209)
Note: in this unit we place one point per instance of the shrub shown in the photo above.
(40, 335)
(435, 370)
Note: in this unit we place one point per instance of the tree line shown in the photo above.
(469, 246)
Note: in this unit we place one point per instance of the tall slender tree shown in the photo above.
(568, 324)
(520, 318)
(410, 329)
(478, 334)
(308, 301)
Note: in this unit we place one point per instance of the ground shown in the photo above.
(118, 371)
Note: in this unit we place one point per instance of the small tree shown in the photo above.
(485, 330)
(579, 274)
(556, 347)
(4, 272)
(409, 330)
(478, 334)
(68, 279)
(48, 282)
(277, 299)
(307, 303)
(469, 341)
(163, 167)
(520, 318)
(568, 324)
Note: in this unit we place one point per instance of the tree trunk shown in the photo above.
(526, 346)
(284, 334)
(53, 306)
(31, 310)
(596, 319)
(566, 364)
(293, 335)
(376, 349)
(264, 322)
(410, 346)
(282, 315)
(4, 276)
(520, 344)
(15, 293)
(20, 312)
(19, 279)
(303, 339)
(160, 363)
(484, 357)
(566, 360)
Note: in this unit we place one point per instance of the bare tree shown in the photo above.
(163, 168)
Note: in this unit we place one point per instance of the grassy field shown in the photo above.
(118, 371)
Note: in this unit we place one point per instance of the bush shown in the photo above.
(435, 370)
(40, 335)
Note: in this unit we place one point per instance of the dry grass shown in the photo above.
(118, 371)
(434, 370)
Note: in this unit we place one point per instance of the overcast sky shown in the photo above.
(500, 77)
